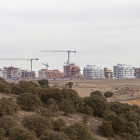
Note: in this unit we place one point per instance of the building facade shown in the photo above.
(49, 74)
(108, 74)
(27, 74)
(93, 72)
(137, 72)
(74, 71)
(123, 71)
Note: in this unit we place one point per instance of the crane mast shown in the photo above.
(26, 59)
(68, 58)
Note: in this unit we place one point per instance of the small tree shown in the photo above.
(70, 84)
(37, 123)
(51, 101)
(108, 94)
(59, 124)
(2, 133)
(96, 93)
(85, 118)
(67, 106)
(29, 101)
(87, 110)
(43, 82)
(21, 133)
(105, 129)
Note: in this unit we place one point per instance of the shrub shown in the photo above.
(118, 124)
(53, 108)
(51, 101)
(51, 135)
(2, 133)
(87, 110)
(67, 106)
(29, 101)
(85, 118)
(131, 127)
(1, 86)
(7, 122)
(105, 129)
(70, 84)
(43, 82)
(8, 106)
(108, 94)
(7, 89)
(96, 93)
(21, 133)
(59, 124)
(78, 131)
(3, 81)
(37, 123)
(97, 103)
(119, 108)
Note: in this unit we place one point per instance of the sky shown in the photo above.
(102, 32)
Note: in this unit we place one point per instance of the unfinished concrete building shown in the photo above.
(11, 73)
(74, 71)
(27, 74)
(49, 74)
(108, 74)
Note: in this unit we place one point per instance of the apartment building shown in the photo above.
(108, 74)
(50, 74)
(123, 71)
(27, 74)
(74, 71)
(93, 72)
(137, 72)
(11, 73)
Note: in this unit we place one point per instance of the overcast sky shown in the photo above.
(102, 32)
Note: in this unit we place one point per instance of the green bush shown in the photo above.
(97, 103)
(7, 122)
(70, 84)
(65, 93)
(85, 118)
(51, 135)
(105, 129)
(29, 101)
(3, 81)
(119, 108)
(67, 106)
(108, 94)
(54, 108)
(87, 110)
(1, 86)
(7, 89)
(131, 127)
(96, 93)
(2, 133)
(118, 123)
(8, 107)
(37, 123)
(59, 124)
(78, 131)
(51, 101)
(21, 133)
(43, 82)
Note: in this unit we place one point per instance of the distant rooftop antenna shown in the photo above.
(46, 65)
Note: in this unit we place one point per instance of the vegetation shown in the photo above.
(78, 131)
(37, 123)
(96, 93)
(85, 118)
(43, 82)
(2, 133)
(70, 84)
(59, 125)
(29, 101)
(105, 129)
(7, 122)
(108, 94)
(87, 110)
(21, 133)
(8, 107)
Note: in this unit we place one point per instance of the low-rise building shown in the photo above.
(93, 72)
(123, 71)
(108, 74)
(50, 74)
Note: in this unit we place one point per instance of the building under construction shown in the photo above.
(108, 74)
(50, 74)
(74, 71)
(11, 73)
(27, 74)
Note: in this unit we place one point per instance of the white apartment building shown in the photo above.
(93, 72)
(41, 74)
(123, 71)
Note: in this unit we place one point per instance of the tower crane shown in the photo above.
(68, 58)
(46, 65)
(26, 59)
